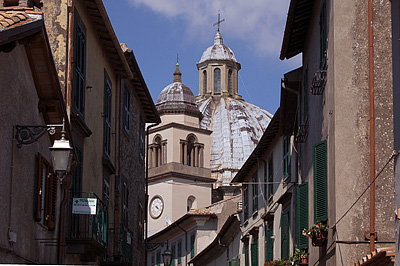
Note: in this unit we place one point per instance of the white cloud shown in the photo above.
(259, 23)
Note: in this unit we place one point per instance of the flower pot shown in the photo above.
(320, 238)
(303, 261)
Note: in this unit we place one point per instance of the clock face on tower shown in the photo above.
(156, 207)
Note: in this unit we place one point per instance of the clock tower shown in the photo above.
(179, 157)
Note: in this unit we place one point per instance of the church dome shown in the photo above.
(177, 98)
(218, 51)
(237, 127)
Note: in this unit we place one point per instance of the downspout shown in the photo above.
(186, 261)
(371, 124)
(147, 191)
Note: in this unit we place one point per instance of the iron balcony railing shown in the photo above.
(122, 247)
(89, 227)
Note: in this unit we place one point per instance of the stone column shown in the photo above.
(184, 153)
(201, 155)
(150, 154)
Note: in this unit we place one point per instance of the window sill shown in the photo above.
(108, 165)
(255, 214)
(80, 124)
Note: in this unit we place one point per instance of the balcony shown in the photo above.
(122, 246)
(318, 82)
(87, 234)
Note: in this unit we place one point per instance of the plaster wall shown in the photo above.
(19, 106)
(181, 119)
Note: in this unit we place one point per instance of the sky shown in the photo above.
(159, 30)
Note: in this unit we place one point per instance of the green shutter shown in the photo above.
(192, 239)
(269, 245)
(254, 253)
(179, 252)
(246, 254)
(285, 235)
(320, 182)
(173, 251)
(302, 215)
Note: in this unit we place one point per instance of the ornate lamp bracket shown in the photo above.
(29, 134)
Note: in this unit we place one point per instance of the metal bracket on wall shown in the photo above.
(28, 134)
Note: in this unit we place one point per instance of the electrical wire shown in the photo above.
(395, 153)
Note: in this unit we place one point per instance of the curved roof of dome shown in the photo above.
(218, 51)
(177, 97)
(237, 127)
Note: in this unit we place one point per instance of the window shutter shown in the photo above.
(302, 214)
(246, 254)
(235, 262)
(179, 252)
(52, 199)
(192, 240)
(254, 253)
(269, 245)
(285, 235)
(173, 251)
(39, 188)
(320, 182)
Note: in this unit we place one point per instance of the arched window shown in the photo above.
(158, 160)
(204, 81)
(157, 152)
(191, 203)
(230, 81)
(191, 151)
(217, 80)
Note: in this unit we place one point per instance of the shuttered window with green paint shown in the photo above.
(192, 240)
(285, 235)
(320, 182)
(179, 251)
(173, 251)
(302, 215)
(269, 245)
(246, 254)
(254, 253)
(234, 262)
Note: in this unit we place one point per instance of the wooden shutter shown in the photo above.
(39, 188)
(179, 251)
(246, 254)
(302, 215)
(235, 262)
(52, 182)
(269, 245)
(320, 182)
(285, 235)
(192, 240)
(254, 253)
(173, 251)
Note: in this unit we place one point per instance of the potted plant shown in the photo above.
(300, 257)
(318, 233)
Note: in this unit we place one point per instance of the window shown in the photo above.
(246, 253)
(191, 151)
(245, 202)
(79, 67)
(285, 235)
(269, 244)
(191, 203)
(180, 251)
(270, 176)
(77, 173)
(305, 95)
(127, 110)
(153, 259)
(323, 35)
(230, 81)
(254, 252)
(141, 138)
(125, 201)
(320, 182)
(302, 215)
(158, 257)
(217, 80)
(234, 262)
(286, 156)
(255, 192)
(205, 81)
(46, 194)
(107, 115)
(173, 251)
(192, 242)
(140, 228)
(106, 193)
(157, 149)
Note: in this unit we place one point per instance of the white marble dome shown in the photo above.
(237, 127)
(218, 51)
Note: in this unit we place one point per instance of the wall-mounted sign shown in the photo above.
(84, 206)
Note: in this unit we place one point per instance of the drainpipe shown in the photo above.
(186, 261)
(147, 191)
(371, 124)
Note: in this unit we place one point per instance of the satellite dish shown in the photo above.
(168, 220)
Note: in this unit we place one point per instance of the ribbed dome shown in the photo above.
(237, 127)
(218, 51)
(177, 98)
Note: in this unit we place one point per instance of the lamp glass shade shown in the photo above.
(167, 257)
(61, 155)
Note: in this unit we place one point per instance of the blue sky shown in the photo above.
(156, 30)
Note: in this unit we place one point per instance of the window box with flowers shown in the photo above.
(318, 233)
(278, 263)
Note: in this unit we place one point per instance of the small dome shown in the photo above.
(218, 51)
(177, 98)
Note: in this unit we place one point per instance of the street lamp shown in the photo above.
(61, 155)
(167, 257)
